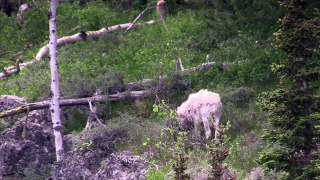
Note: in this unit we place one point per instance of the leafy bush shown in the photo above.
(238, 108)
(241, 97)
(76, 120)
(160, 174)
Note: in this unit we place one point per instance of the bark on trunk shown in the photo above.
(54, 105)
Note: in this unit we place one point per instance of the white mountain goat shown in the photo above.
(199, 108)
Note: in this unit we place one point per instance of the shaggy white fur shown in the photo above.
(198, 108)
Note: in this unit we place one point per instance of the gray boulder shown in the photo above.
(8, 102)
(90, 156)
(122, 166)
(27, 150)
(28, 144)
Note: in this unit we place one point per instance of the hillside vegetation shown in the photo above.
(234, 32)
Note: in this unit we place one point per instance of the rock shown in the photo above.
(8, 102)
(255, 174)
(122, 166)
(91, 157)
(27, 151)
(28, 144)
(72, 167)
(117, 166)
(258, 174)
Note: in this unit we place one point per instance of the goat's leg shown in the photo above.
(197, 130)
(216, 127)
(206, 125)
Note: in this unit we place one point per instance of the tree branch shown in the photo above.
(18, 61)
(138, 17)
(222, 66)
(14, 57)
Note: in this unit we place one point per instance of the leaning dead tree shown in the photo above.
(55, 86)
(161, 11)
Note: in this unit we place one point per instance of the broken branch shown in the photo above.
(138, 17)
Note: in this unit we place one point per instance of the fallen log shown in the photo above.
(149, 83)
(78, 101)
(134, 90)
(200, 67)
(221, 66)
(70, 39)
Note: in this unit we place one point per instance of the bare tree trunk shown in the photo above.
(54, 106)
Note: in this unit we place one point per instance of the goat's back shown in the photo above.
(201, 99)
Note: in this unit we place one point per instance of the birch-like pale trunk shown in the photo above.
(54, 106)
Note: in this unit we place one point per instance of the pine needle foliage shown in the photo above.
(180, 158)
(295, 104)
(180, 167)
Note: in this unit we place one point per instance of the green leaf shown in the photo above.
(155, 108)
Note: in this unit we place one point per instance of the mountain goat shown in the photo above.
(198, 108)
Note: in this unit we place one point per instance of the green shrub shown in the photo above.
(160, 174)
(239, 108)
(77, 119)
